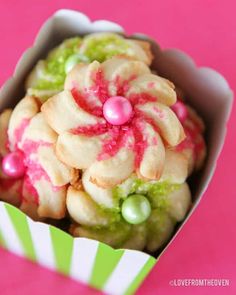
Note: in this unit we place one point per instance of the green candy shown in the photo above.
(74, 60)
(136, 209)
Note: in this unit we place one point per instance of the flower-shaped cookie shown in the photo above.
(30, 164)
(48, 76)
(114, 118)
(169, 204)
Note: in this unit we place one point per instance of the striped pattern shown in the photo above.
(41, 237)
(105, 262)
(112, 271)
(20, 225)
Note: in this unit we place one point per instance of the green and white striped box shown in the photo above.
(94, 263)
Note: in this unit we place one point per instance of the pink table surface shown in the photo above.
(206, 30)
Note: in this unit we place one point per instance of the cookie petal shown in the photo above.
(120, 71)
(160, 228)
(24, 111)
(141, 51)
(83, 78)
(78, 151)
(165, 119)
(59, 173)
(39, 139)
(152, 164)
(101, 196)
(38, 131)
(62, 113)
(84, 210)
(152, 86)
(179, 202)
(137, 238)
(175, 168)
(29, 202)
(52, 200)
(110, 172)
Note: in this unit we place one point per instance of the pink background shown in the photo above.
(206, 30)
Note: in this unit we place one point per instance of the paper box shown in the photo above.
(89, 261)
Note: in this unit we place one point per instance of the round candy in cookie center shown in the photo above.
(117, 110)
(136, 209)
(13, 165)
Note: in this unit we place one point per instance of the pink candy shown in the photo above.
(117, 110)
(13, 165)
(180, 110)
